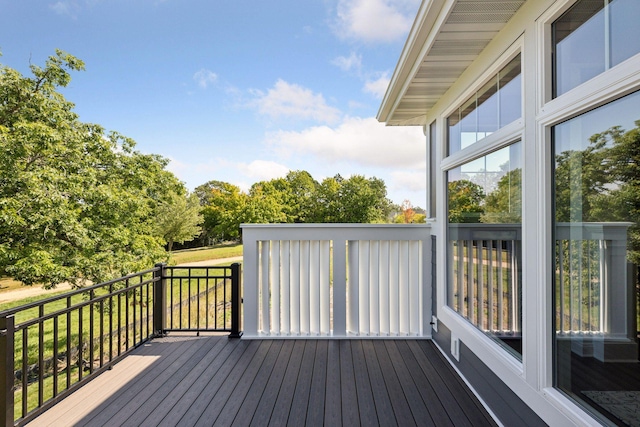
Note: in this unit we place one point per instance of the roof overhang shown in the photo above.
(446, 37)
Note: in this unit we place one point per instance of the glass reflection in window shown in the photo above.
(596, 258)
(494, 106)
(484, 230)
(592, 37)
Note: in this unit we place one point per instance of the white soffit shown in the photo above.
(455, 43)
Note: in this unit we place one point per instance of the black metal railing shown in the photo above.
(51, 347)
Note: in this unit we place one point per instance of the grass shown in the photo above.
(209, 310)
(204, 254)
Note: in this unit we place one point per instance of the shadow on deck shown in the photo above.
(209, 380)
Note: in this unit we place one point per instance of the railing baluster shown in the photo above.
(41, 356)
(91, 336)
(384, 284)
(374, 287)
(7, 367)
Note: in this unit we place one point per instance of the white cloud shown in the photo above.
(409, 180)
(263, 170)
(66, 7)
(362, 141)
(351, 63)
(375, 20)
(377, 87)
(287, 100)
(205, 77)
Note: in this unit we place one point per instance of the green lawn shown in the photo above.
(203, 254)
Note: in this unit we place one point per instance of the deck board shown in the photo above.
(212, 380)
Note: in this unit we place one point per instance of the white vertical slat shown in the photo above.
(325, 307)
(374, 288)
(604, 287)
(460, 277)
(364, 268)
(470, 270)
(480, 287)
(490, 286)
(264, 287)
(295, 298)
(304, 287)
(415, 275)
(394, 288)
(314, 287)
(384, 287)
(285, 271)
(250, 284)
(339, 288)
(500, 324)
(353, 286)
(274, 286)
(404, 288)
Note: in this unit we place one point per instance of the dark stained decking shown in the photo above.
(212, 380)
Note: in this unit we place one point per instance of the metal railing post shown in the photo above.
(6, 368)
(236, 300)
(159, 299)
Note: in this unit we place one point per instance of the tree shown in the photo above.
(222, 204)
(504, 204)
(76, 203)
(178, 219)
(465, 201)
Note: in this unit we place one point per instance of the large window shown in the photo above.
(592, 37)
(495, 105)
(596, 257)
(484, 205)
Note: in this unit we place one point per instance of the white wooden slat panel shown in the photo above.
(404, 288)
(374, 287)
(295, 298)
(416, 288)
(325, 269)
(274, 286)
(384, 288)
(353, 286)
(363, 291)
(264, 287)
(285, 272)
(339, 288)
(314, 287)
(251, 281)
(304, 287)
(394, 289)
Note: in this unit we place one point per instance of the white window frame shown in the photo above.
(608, 86)
(490, 352)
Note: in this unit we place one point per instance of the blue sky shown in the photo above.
(233, 90)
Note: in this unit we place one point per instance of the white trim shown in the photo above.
(499, 139)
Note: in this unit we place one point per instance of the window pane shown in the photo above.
(510, 93)
(625, 30)
(495, 105)
(592, 37)
(597, 253)
(484, 251)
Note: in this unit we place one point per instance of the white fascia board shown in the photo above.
(425, 28)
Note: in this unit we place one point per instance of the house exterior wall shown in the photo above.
(480, 358)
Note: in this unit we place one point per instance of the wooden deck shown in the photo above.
(211, 380)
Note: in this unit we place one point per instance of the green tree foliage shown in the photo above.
(504, 204)
(353, 200)
(602, 183)
(294, 199)
(465, 201)
(76, 203)
(178, 219)
(222, 204)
